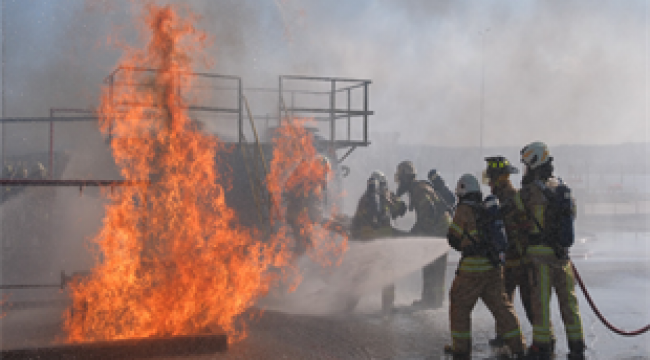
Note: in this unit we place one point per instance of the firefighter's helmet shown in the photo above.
(467, 184)
(405, 170)
(535, 154)
(497, 166)
(379, 176)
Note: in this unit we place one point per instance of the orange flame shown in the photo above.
(297, 174)
(172, 259)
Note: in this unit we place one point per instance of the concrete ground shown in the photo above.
(618, 278)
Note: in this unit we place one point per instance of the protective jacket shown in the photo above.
(373, 215)
(549, 271)
(432, 216)
(475, 279)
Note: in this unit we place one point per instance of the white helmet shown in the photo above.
(467, 184)
(535, 154)
(379, 176)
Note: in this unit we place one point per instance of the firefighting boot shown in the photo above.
(539, 353)
(449, 350)
(496, 342)
(576, 350)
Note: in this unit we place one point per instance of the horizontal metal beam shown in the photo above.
(337, 111)
(120, 68)
(188, 345)
(80, 183)
(48, 119)
(299, 77)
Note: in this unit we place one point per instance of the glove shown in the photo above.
(401, 210)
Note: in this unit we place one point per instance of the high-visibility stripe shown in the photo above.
(475, 264)
(518, 202)
(461, 334)
(542, 333)
(511, 334)
(540, 250)
(573, 330)
(456, 228)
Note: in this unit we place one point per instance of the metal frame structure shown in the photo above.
(110, 80)
(292, 110)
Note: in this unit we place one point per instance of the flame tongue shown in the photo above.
(172, 259)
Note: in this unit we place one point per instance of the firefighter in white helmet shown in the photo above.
(372, 220)
(477, 277)
(547, 203)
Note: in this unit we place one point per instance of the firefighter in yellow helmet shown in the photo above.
(477, 277)
(372, 220)
(432, 219)
(497, 176)
(542, 199)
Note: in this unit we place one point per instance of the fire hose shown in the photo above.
(600, 316)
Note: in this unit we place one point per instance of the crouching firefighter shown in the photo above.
(478, 233)
(372, 220)
(551, 210)
(497, 176)
(431, 219)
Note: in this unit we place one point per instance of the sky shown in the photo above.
(561, 71)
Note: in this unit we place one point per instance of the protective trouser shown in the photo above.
(516, 275)
(433, 282)
(477, 279)
(550, 272)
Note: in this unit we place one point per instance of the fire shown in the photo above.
(297, 172)
(172, 259)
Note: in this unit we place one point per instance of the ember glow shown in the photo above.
(172, 258)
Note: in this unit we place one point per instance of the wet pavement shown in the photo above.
(618, 278)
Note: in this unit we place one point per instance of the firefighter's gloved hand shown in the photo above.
(400, 211)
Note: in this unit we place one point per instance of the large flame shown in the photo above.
(298, 172)
(172, 259)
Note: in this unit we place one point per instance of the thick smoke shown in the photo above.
(565, 72)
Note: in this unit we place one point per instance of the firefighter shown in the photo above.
(551, 267)
(377, 206)
(497, 176)
(432, 219)
(446, 196)
(477, 277)
(305, 196)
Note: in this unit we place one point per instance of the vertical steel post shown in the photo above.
(332, 115)
(3, 91)
(112, 107)
(348, 114)
(280, 102)
(51, 157)
(241, 113)
(365, 112)
(293, 105)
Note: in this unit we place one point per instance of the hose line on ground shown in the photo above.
(600, 316)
